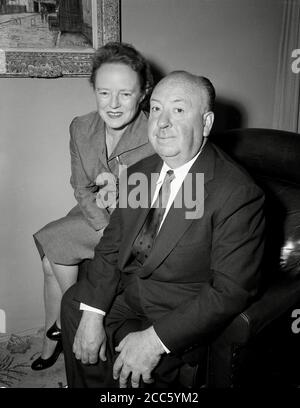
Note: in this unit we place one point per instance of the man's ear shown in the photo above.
(208, 120)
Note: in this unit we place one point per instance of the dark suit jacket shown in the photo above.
(88, 159)
(201, 272)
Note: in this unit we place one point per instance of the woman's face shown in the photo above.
(118, 94)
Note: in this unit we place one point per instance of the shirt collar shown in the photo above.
(179, 172)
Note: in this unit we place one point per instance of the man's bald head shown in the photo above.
(193, 83)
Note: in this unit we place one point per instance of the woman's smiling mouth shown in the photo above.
(114, 115)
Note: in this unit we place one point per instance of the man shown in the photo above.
(160, 298)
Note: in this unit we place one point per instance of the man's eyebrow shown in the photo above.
(155, 100)
(179, 100)
(173, 100)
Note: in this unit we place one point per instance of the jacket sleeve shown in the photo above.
(103, 276)
(236, 257)
(85, 189)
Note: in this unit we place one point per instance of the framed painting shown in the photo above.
(54, 38)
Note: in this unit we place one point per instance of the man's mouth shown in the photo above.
(164, 137)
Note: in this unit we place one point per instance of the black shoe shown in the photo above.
(54, 333)
(42, 364)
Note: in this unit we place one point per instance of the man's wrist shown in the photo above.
(160, 346)
(90, 315)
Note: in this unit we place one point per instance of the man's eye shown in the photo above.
(179, 110)
(155, 109)
(126, 94)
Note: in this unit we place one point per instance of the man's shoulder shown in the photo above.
(231, 174)
(150, 163)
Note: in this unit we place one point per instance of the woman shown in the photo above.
(100, 142)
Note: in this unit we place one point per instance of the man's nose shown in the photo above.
(164, 120)
(114, 101)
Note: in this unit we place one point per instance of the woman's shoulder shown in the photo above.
(86, 124)
(87, 120)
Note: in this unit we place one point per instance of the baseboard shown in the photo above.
(28, 332)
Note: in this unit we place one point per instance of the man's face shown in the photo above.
(118, 94)
(177, 121)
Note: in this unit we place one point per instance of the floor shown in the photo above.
(16, 356)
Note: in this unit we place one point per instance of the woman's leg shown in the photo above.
(52, 299)
(66, 276)
(57, 279)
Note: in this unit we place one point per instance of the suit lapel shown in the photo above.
(133, 137)
(138, 216)
(176, 222)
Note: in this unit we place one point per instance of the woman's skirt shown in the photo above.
(68, 240)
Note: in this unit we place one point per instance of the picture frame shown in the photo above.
(64, 62)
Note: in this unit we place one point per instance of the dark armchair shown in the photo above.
(259, 347)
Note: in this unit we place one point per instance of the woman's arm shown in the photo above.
(85, 189)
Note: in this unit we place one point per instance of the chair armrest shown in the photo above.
(279, 298)
(232, 348)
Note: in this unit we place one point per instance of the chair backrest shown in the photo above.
(272, 153)
(272, 157)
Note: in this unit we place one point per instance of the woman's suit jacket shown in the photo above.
(88, 159)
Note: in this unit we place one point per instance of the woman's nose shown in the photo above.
(114, 101)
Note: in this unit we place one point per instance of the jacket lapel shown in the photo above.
(139, 215)
(176, 222)
(133, 137)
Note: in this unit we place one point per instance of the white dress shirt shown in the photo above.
(180, 174)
